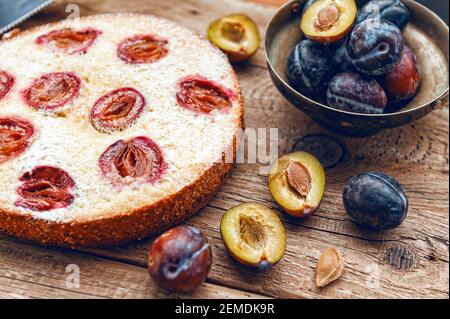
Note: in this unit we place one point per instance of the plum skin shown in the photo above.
(375, 201)
(307, 5)
(180, 259)
(342, 60)
(402, 83)
(350, 91)
(375, 46)
(392, 10)
(310, 67)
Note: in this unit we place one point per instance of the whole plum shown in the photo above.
(402, 83)
(375, 200)
(375, 46)
(180, 259)
(342, 60)
(310, 67)
(391, 10)
(350, 91)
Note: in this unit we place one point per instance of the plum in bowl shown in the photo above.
(347, 89)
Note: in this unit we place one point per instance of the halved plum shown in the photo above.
(136, 160)
(6, 83)
(235, 34)
(328, 21)
(45, 188)
(52, 90)
(297, 183)
(253, 234)
(15, 137)
(198, 94)
(142, 48)
(68, 40)
(117, 110)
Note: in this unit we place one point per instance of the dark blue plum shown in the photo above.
(352, 92)
(310, 67)
(342, 60)
(375, 46)
(307, 5)
(392, 10)
(375, 201)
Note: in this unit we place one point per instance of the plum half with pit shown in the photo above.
(310, 67)
(375, 201)
(237, 35)
(352, 92)
(328, 21)
(375, 46)
(392, 10)
(297, 183)
(402, 83)
(253, 234)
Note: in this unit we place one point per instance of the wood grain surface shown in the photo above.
(410, 261)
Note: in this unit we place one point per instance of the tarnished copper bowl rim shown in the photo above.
(386, 115)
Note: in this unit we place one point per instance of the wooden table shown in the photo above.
(410, 261)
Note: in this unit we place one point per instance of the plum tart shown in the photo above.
(112, 128)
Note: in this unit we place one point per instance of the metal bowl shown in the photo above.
(427, 35)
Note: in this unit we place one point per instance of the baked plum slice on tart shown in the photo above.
(198, 94)
(45, 188)
(68, 40)
(136, 160)
(142, 48)
(117, 110)
(16, 136)
(6, 83)
(52, 91)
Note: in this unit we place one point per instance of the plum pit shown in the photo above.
(329, 267)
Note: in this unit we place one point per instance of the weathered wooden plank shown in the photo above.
(31, 271)
(416, 154)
